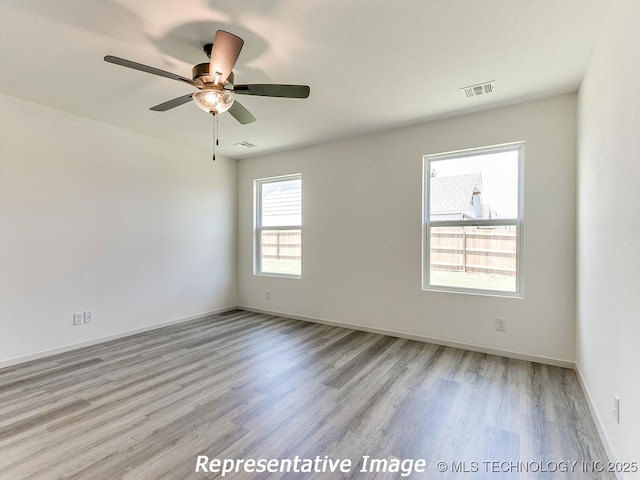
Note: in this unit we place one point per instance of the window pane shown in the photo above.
(281, 203)
(281, 251)
(473, 257)
(473, 187)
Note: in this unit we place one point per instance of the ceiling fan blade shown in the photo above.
(176, 102)
(240, 113)
(147, 69)
(273, 90)
(224, 54)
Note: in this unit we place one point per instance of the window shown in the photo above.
(473, 221)
(278, 203)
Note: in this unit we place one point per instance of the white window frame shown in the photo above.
(258, 228)
(517, 222)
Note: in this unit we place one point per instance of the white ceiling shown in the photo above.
(372, 65)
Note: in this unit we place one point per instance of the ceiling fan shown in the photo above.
(215, 81)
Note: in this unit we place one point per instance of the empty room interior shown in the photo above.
(389, 240)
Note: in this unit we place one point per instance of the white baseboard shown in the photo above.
(438, 341)
(604, 438)
(96, 341)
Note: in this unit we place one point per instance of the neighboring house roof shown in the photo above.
(454, 194)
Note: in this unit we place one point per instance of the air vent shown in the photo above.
(244, 144)
(480, 89)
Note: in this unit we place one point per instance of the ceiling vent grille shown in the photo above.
(244, 144)
(480, 89)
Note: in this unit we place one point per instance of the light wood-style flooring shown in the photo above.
(242, 385)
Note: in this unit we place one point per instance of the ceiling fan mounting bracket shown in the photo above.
(207, 49)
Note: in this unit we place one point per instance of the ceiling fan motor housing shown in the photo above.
(200, 73)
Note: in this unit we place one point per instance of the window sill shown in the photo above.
(277, 275)
(476, 292)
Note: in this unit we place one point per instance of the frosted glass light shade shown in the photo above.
(213, 101)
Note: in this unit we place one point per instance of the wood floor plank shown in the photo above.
(242, 385)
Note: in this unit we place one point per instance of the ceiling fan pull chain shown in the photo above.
(215, 134)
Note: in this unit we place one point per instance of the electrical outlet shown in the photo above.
(88, 316)
(501, 324)
(267, 294)
(616, 408)
(78, 318)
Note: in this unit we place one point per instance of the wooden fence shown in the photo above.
(282, 244)
(456, 249)
(474, 249)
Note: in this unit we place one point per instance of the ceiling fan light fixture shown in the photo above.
(213, 101)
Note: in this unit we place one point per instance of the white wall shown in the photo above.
(93, 217)
(362, 201)
(608, 337)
